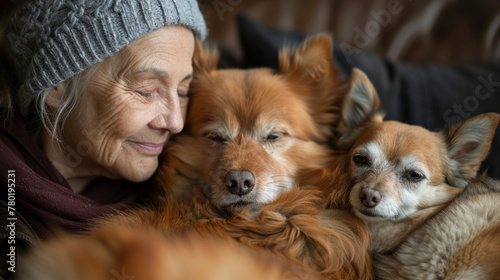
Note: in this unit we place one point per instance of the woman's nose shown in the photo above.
(168, 117)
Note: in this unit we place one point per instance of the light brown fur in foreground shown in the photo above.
(407, 184)
(296, 226)
(136, 254)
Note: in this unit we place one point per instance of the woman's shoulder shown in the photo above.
(19, 151)
(15, 145)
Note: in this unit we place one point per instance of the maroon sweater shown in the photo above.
(42, 195)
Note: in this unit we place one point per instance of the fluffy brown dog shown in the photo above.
(248, 133)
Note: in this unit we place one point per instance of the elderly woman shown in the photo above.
(101, 86)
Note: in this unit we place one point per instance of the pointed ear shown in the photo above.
(309, 71)
(468, 144)
(204, 60)
(361, 104)
(311, 63)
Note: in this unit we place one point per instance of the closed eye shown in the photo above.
(217, 138)
(145, 94)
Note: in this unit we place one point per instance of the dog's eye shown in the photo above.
(274, 136)
(217, 138)
(415, 176)
(360, 159)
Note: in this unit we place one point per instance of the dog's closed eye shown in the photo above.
(216, 138)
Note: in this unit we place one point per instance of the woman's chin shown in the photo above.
(138, 171)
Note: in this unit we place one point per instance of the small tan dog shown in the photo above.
(407, 184)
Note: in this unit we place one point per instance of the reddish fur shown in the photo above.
(310, 109)
(295, 226)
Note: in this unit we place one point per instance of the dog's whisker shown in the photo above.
(282, 181)
(283, 184)
(274, 176)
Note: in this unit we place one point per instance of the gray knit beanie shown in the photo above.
(49, 41)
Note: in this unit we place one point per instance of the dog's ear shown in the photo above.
(361, 104)
(311, 63)
(204, 60)
(309, 70)
(468, 144)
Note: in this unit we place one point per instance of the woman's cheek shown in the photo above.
(130, 116)
(114, 130)
(132, 122)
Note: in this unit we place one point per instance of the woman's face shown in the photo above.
(133, 103)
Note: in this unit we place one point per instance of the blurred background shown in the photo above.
(451, 32)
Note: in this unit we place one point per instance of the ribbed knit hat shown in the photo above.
(50, 41)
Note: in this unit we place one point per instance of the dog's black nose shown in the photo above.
(369, 197)
(240, 182)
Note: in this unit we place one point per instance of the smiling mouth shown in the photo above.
(150, 148)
